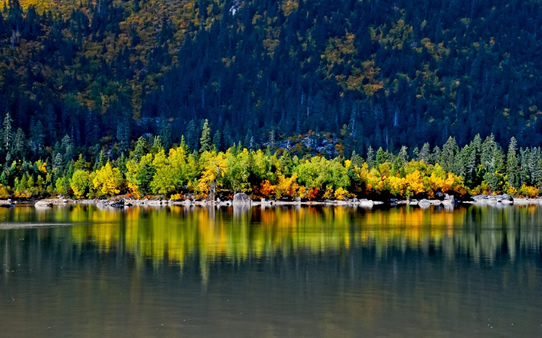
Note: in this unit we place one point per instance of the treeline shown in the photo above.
(382, 73)
(177, 173)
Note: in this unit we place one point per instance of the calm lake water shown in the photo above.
(308, 272)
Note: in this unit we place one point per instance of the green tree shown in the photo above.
(7, 134)
(238, 170)
(205, 140)
(370, 157)
(512, 164)
(448, 155)
(80, 183)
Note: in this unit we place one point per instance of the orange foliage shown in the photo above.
(266, 189)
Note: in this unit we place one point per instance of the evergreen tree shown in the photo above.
(100, 162)
(7, 134)
(18, 149)
(370, 157)
(217, 140)
(205, 140)
(382, 156)
(512, 164)
(141, 148)
(425, 153)
(37, 138)
(447, 156)
(191, 135)
(165, 134)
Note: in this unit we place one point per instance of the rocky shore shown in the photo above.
(446, 201)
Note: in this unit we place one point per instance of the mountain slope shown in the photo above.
(381, 73)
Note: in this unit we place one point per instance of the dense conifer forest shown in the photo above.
(377, 90)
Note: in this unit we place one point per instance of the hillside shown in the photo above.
(374, 73)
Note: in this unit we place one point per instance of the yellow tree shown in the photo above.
(80, 183)
(108, 180)
(214, 168)
(414, 184)
(286, 186)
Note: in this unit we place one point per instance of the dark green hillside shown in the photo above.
(394, 72)
(380, 73)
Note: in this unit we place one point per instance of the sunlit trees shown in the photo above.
(214, 167)
(238, 170)
(139, 174)
(107, 181)
(80, 183)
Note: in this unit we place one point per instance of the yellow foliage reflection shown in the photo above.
(178, 235)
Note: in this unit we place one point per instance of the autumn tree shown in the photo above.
(107, 180)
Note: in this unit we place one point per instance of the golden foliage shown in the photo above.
(4, 193)
(528, 191)
(108, 180)
(286, 187)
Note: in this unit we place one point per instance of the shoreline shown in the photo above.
(119, 203)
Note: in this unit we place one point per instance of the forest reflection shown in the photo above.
(174, 234)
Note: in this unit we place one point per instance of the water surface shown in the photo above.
(86, 272)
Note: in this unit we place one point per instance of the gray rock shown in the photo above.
(506, 197)
(412, 202)
(43, 204)
(449, 201)
(118, 204)
(424, 204)
(241, 199)
(480, 197)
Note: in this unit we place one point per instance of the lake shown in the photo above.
(287, 272)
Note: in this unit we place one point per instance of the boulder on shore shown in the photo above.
(241, 199)
(119, 204)
(110, 204)
(424, 204)
(43, 204)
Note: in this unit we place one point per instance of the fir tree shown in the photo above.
(205, 140)
(7, 134)
(512, 164)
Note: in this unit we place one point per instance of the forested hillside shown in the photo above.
(376, 73)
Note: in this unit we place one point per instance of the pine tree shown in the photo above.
(141, 148)
(100, 162)
(448, 154)
(512, 164)
(205, 140)
(191, 135)
(425, 153)
(37, 138)
(81, 163)
(7, 135)
(18, 148)
(165, 134)
(370, 157)
(217, 139)
(123, 135)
